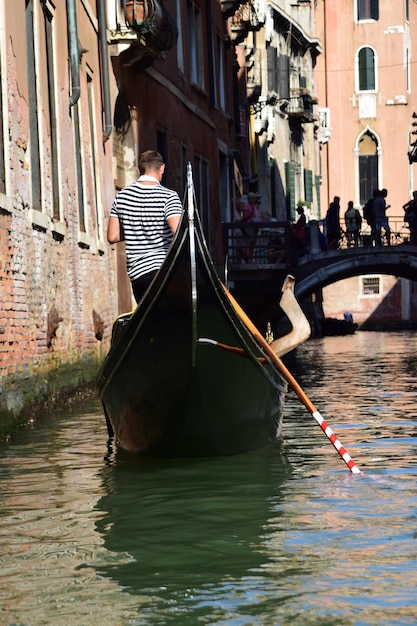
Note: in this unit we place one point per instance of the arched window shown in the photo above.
(366, 69)
(367, 165)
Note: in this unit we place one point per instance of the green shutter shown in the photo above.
(290, 187)
(318, 196)
(308, 185)
(375, 9)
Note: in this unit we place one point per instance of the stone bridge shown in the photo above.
(320, 268)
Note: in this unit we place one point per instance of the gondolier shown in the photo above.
(145, 215)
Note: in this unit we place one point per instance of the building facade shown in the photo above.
(366, 82)
(56, 184)
(86, 85)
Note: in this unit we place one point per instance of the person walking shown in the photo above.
(381, 221)
(368, 214)
(299, 229)
(353, 222)
(410, 216)
(333, 224)
(145, 215)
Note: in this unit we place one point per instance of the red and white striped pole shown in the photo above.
(294, 384)
(336, 443)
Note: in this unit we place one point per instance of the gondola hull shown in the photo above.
(184, 376)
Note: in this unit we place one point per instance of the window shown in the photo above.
(290, 188)
(367, 166)
(201, 187)
(180, 43)
(43, 134)
(368, 9)
(195, 45)
(79, 167)
(366, 69)
(371, 285)
(221, 99)
(2, 165)
(35, 160)
(93, 156)
(49, 107)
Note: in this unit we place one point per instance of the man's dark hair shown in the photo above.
(150, 160)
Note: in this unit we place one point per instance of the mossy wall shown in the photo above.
(23, 399)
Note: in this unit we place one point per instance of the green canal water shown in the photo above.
(286, 535)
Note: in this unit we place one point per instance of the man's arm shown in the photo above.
(173, 222)
(113, 230)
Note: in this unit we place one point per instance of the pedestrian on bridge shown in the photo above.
(381, 220)
(410, 217)
(353, 223)
(368, 213)
(333, 230)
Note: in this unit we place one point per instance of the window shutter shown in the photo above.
(308, 185)
(290, 187)
(284, 77)
(317, 184)
(271, 56)
(375, 9)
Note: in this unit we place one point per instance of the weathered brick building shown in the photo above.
(56, 183)
(85, 86)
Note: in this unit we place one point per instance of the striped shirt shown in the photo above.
(143, 211)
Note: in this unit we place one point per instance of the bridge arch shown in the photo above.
(318, 270)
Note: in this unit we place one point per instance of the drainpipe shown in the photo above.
(102, 31)
(73, 51)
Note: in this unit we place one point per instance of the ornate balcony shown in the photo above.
(230, 6)
(144, 23)
(152, 23)
(301, 105)
(244, 19)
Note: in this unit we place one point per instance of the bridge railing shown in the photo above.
(259, 243)
(273, 244)
(400, 233)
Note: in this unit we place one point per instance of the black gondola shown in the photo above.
(184, 375)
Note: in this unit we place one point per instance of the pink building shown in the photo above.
(367, 86)
(366, 81)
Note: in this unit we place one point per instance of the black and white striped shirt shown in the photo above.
(143, 211)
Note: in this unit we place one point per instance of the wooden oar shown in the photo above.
(294, 384)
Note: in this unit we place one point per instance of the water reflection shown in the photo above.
(187, 524)
(285, 535)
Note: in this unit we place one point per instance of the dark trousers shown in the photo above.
(141, 284)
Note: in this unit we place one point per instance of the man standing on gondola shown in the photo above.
(145, 215)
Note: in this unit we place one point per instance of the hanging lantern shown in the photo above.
(134, 13)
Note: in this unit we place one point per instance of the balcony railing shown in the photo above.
(245, 19)
(268, 245)
(147, 19)
(301, 105)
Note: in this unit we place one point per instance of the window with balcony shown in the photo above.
(367, 10)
